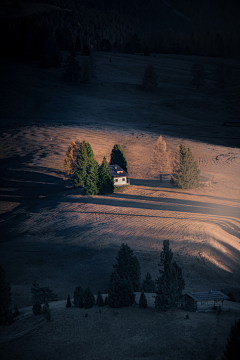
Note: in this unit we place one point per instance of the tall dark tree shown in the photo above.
(143, 300)
(148, 284)
(100, 301)
(105, 180)
(117, 157)
(78, 297)
(68, 304)
(88, 298)
(91, 179)
(232, 350)
(170, 284)
(5, 297)
(120, 292)
(186, 173)
(128, 266)
(86, 168)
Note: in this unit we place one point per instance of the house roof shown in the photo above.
(117, 171)
(207, 295)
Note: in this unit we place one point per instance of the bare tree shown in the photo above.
(160, 158)
(198, 73)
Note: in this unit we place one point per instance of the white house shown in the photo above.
(204, 301)
(119, 175)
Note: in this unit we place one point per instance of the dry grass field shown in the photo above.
(61, 238)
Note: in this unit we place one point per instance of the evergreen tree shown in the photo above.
(86, 173)
(171, 283)
(52, 55)
(232, 350)
(198, 74)
(5, 297)
(149, 80)
(100, 299)
(78, 297)
(37, 307)
(68, 304)
(44, 293)
(148, 284)
(91, 179)
(88, 298)
(160, 158)
(143, 301)
(128, 266)
(105, 180)
(117, 157)
(71, 69)
(120, 292)
(186, 173)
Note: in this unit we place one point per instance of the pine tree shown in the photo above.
(86, 167)
(128, 266)
(71, 69)
(91, 179)
(100, 299)
(5, 297)
(68, 304)
(186, 173)
(88, 298)
(232, 350)
(171, 283)
(148, 284)
(160, 158)
(120, 292)
(37, 307)
(43, 293)
(105, 180)
(117, 157)
(70, 160)
(143, 301)
(149, 80)
(78, 297)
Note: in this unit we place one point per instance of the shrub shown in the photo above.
(89, 300)
(69, 304)
(45, 308)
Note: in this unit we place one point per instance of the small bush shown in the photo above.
(187, 317)
(143, 301)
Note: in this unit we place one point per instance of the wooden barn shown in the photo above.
(120, 176)
(204, 301)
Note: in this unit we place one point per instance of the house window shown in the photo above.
(123, 179)
(116, 180)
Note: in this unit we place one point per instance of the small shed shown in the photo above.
(119, 175)
(204, 301)
(206, 179)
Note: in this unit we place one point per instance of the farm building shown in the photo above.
(206, 179)
(204, 301)
(120, 176)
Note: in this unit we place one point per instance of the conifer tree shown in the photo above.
(171, 283)
(186, 173)
(88, 298)
(160, 158)
(128, 266)
(232, 350)
(78, 297)
(105, 180)
(117, 157)
(149, 80)
(120, 292)
(37, 307)
(5, 297)
(91, 179)
(143, 300)
(100, 299)
(68, 304)
(148, 284)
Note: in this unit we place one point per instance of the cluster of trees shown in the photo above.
(88, 174)
(185, 173)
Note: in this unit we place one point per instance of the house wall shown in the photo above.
(120, 181)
